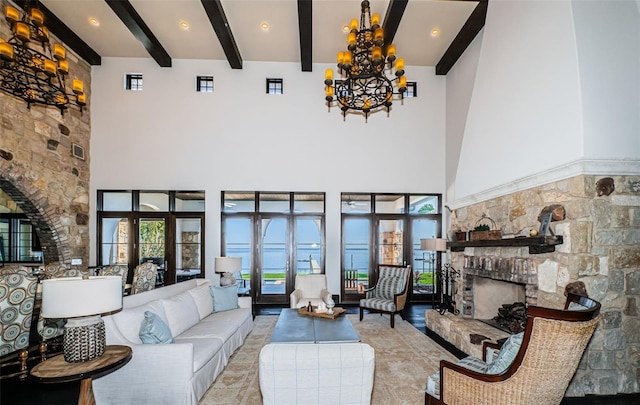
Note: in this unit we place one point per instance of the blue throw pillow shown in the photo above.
(224, 298)
(154, 330)
(507, 354)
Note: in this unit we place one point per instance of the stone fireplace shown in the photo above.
(600, 249)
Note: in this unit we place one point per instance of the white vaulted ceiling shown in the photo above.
(280, 43)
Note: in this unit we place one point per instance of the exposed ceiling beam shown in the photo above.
(305, 28)
(130, 17)
(220, 25)
(64, 34)
(467, 34)
(392, 19)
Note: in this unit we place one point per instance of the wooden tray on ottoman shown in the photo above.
(336, 313)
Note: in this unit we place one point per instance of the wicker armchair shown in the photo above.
(390, 292)
(553, 343)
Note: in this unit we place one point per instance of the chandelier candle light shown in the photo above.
(365, 86)
(30, 68)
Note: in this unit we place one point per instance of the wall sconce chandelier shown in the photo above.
(365, 86)
(29, 68)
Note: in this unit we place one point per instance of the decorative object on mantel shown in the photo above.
(30, 68)
(558, 213)
(605, 186)
(366, 86)
(227, 266)
(484, 231)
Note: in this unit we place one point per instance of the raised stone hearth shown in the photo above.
(458, 331)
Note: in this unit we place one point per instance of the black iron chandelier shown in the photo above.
(30, 69)
(364, 66)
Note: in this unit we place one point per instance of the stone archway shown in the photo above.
(45, 229)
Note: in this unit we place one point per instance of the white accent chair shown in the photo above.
(309, 287)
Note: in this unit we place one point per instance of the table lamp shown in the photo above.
(81, 301)
(227, 266)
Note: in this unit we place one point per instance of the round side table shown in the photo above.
(56, 370)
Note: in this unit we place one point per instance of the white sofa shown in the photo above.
(316, 374)
(180, 372)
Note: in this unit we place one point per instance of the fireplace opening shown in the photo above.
(499, 303)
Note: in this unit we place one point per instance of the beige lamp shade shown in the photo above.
(71, 297)
(228, 264)
(436, 244)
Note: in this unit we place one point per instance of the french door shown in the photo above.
(387, 229)
(274, 246)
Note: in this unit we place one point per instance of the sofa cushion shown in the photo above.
(181, 311)
(204, 302)
(154, 330)
(507, 354)
(224, 298)
(203, 350)
(129, 320)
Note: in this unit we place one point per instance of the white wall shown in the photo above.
(525, 112)
(460, 84)
(608, 40)
(556, 94)
(238, 138)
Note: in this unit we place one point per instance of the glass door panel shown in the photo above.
(357, 251)
(390, 241)
(274, 265)
(237, 243)
(151, 244)
(308, 243)
(114, 248)
(188, 248)
(423, 262)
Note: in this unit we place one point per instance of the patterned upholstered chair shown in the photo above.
(144, 277)
(17, 296)
(117, 270)
(535, 371)
(390, 292)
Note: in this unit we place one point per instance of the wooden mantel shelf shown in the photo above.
(536, 244)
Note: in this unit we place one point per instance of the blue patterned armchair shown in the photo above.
(17, 296)
(390, 292)
(144, 277)
(117, 270)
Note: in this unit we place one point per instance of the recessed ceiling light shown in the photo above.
(184, 25)
(264, 26)
(435, 32)
(94, 21)
(345, 28)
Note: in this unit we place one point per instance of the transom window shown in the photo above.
(274, 86)
(133, 81)
(204, 84)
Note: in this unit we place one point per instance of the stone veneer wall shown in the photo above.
(38, 171)
(601, 249)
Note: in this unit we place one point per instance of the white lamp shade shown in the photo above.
(228, 264)
(71, 297)
(437, 244)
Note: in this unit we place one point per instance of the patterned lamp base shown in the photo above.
(227, 279)
(84, 339)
